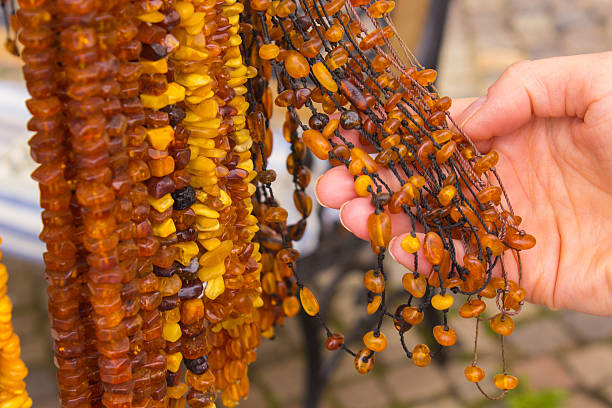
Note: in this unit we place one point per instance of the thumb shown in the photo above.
(547, 88)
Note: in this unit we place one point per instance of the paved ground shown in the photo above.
(550, 351)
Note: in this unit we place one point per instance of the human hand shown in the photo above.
(551, 123)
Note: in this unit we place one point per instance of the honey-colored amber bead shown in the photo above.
(375, 341)
(260, 5)
(433, 248)
(445, 336)
(502, 324)
(486, 162)
(317, 144)
(516, 240)
(334, 341)
(296, 65)
(309, 302)
(415, 285)
(362, 183)
(493, 243)
(374, 281)
(474, 373)
(410, 244)
(446, 195)
(421, 356)
(173, 361)
(312, 47)
(291, 306)
(412, 315)
(269, 51)
(442, 302)
(192, 310)
(505, 381)
(473, 308)
(374, 304)
(324, 77)
(171, 332)
(379, 229)
(364, 361)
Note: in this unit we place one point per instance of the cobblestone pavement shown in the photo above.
(549, 350)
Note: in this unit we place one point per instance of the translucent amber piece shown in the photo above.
(291, 306)
(502, 324)
(505, 381)
(269, 51)
(364, 361)
(421, 356)
(362, 183)
(296, 65)
(433, 248)
(375, 342)
(374, 281)
(473, 308)
(446, 195)
(309, 302)
(324, 77)
(474, 373)
(410, 244)
(317, 144)
(171, 332)
(374, 304)
(415, 285)
(412, 315)
(335, 341)
(442, 302)
(379, 229)
(445, 336)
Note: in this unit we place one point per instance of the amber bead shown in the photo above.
(296, 65)
(317, 144)
(410, 244)
(442, 302)
(502, 324)
(505, 381)
(445, 336)
(472, 308)
(364, 361)
(433, 248)
(374, 304)
(415, 285)
(375, 341)
(474, 373)
(291, 306)
(309, 302)
(379, 229)
(446, 195)
(269, 51)
(421, 356)
(412, 315)
(324, 77)
(312, 47)
(334, 341)
(374, 281)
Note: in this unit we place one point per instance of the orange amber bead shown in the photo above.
(502, 324)
(415, 285)
(379, 229)
(505, 381)
(374, 281)
(446, 195)
(421, 355)
(410, 244)
(317, 144)
(374, 304)
(412, 315)
(442, 302)
(296, 65)
(444, 336)
(433, 248)
(291, 306)
(374, 342)
(324, 77)
(362, 183)
(364, 361)
(269, 51)
(473, 308)
(309, 302)
(474, 373)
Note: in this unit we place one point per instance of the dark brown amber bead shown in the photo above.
(334, 341)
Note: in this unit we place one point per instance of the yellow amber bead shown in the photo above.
(309, 302)
(155, 67)
(324, 77)
(269, 51)
(214, 288)
(446, 195)
(375, 343)
(421, 355)
(362, 183)
(171, 332)
(151, 17)
(474, 373)
(505, 381)
(177, 391)
(160, 138)
(164, 229)
(410, 244)
(442, 302)
(187, 250)
(173, 361)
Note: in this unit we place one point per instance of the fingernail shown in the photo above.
(342, 222)
(315, 192)
(391, 246)
(471, 110)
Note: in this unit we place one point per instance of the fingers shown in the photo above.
(553, 87)
(335, 187)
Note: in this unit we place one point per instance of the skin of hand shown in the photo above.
(550, 121)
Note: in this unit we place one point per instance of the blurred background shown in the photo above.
(563, 358)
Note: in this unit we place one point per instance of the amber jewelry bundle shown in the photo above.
(168, 255)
